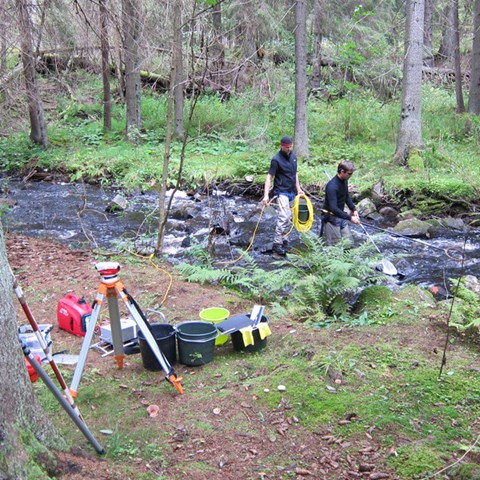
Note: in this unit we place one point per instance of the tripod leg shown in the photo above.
(167, 368)
(47, 350)
(116, 327)
(77, 375)
(51, 386)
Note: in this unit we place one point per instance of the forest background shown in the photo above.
(184, 93)
(235, 84)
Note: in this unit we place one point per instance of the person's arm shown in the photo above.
(297, 186)
(354, 214)
(266, 189)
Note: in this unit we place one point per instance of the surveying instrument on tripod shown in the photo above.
(112, 288)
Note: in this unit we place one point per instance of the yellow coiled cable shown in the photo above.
(302, 226)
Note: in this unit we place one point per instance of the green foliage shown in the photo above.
(318, 279)
(349, 55)
(16, 151)
(248, 278)
(233, 138)
(334, 359)
(213, 115)
(323, 277)
(415, 162)
(466, 308)
(415, 461)
(465, 471)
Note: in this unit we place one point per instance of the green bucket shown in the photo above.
(216, 315)
(303, 213)
(196, 342)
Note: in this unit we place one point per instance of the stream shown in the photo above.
(82, 216)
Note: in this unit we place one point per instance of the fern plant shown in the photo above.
(322, 277)
(248, 278)
(311, 284)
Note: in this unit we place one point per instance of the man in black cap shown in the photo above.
(334, 217)
(283, 172)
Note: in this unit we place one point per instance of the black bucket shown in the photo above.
(303, 213)
(258, 343)
(196, 342)
(164, 335)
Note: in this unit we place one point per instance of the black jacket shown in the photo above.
(284, 170)
(336, 196)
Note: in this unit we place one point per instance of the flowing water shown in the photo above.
(81, 215)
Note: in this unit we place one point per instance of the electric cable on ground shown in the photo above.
(298, 224)
(150, 260)
(251, 241)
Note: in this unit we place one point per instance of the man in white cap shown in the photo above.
(283, 173)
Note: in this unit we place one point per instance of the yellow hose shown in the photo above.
(302, 226)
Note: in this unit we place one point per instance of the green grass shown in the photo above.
(229, 140)
(392, 389)
(393, 392)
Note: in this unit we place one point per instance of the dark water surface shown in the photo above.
(76, 214)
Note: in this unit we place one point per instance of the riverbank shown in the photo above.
(359, 400)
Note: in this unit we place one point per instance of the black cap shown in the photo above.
(286, 141)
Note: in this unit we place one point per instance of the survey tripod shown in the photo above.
(61, 399)
(112, 288)
(65, 399)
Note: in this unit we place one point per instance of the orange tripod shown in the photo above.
(112, 288)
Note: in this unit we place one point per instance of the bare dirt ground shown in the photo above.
(47, 271)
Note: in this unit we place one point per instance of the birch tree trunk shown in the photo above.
(25, 429)
(301, 121)
(474, 96)
(38, 126)
(118, 58)
(162, 214)
(410, 129)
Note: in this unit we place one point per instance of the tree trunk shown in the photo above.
(178, 59)
(428, 59)
(131, 34)
(318, 25)
(25, 428)
(105, 49)
(217, 58)
(247, 31)
(38, 127)
(118, 58)
(458, 69)
(410, 129)
(474, 95)
(447, 47)
(3, 39)
(162, 214)
(301, 121)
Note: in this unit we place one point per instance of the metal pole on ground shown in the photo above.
(43, 344)
(51, 386)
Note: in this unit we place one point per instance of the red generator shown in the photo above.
(73, 314)
(31, 371)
